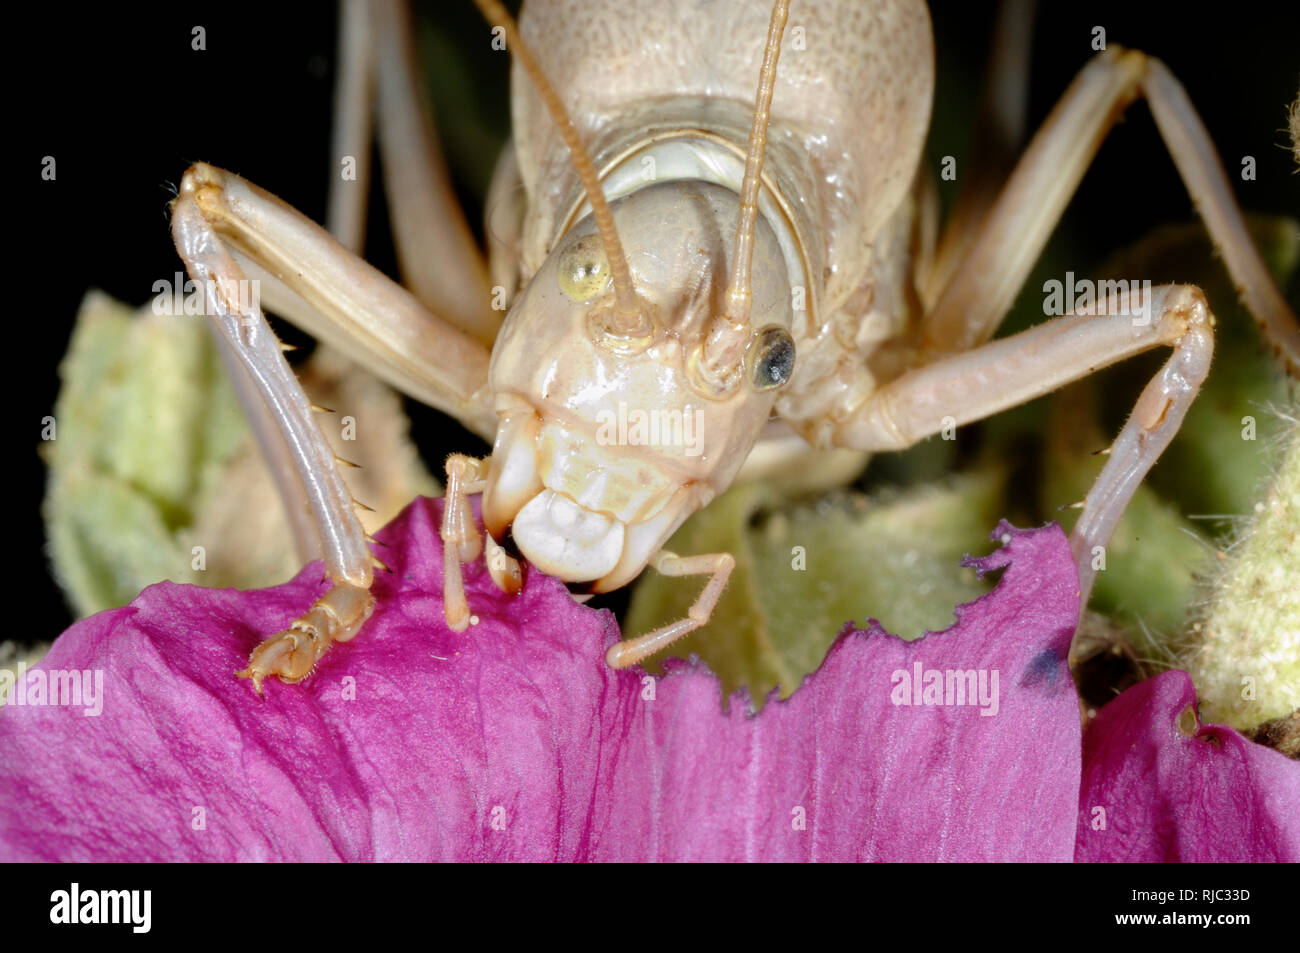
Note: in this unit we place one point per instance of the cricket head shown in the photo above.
(635, 370)
(615, 427)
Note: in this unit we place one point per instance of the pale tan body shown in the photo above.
(888, 338)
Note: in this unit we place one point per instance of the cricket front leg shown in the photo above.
(300, 457)
(213, 208)
(962, 388)
(717, 565)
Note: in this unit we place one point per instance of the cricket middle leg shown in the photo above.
(961, 388)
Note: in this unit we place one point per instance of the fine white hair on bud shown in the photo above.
(1243, 646)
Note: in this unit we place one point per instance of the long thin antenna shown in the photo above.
(738, 293)
(728, 335)
(627, 305)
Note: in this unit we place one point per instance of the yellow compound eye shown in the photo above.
(583, 269)
(771, 358)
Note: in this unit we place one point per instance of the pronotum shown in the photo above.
(709, 231)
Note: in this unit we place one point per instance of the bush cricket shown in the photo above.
(718, 248)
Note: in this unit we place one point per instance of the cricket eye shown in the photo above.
(771, 358)
(583, 269)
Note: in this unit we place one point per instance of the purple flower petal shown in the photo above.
(514, 741)
(1159, 786)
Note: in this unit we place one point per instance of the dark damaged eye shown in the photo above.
(771, 358)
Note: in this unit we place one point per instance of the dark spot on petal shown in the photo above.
(1044, 672)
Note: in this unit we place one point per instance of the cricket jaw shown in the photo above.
(567, 540)
(580, 506)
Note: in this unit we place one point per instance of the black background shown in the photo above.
(121, 100)
(262, 904)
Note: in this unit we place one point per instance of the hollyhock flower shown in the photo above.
(513, 741)
(1158, 785)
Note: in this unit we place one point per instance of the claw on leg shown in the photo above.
(292, 654)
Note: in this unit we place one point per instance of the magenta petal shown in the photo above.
(875, 780)
(1153, 792)
(514, 741)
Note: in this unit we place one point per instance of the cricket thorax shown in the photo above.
(713, 153)
(844, 139)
